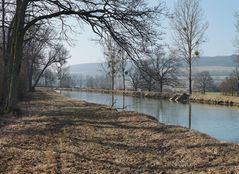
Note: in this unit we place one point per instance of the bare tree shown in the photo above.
(148, 82)
(57, 55)
(49, 78)
(164, 68)
(1, 75)
(235, 76)
(229, 86)
(67, 80)
(189, 30)
(135, 78)
(90, 82)
(62, 72)
(123, 58)
(39, 41)
(235, 73)
(237, 39)
(203, 81)
(128, 23)
(3, 58)
(79, 80)
(113, 62)
(98, 81)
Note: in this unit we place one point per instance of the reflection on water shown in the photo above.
(220, 122)
(189, 115)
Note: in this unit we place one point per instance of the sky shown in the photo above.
(220, 35)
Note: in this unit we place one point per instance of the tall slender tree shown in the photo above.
(123, 72)
(189, 32)
(113, 63)
(236, 44)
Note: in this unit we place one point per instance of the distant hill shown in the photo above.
(91, 69)
(218, 66)
(225, 61)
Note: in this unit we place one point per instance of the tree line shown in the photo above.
(31, 48)
(25, 21)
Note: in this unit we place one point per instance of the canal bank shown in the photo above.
(147, 94)
(56, 134)
(177, 97)
(215, 99)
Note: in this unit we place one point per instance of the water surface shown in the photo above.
(221, 122)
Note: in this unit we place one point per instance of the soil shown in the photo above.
(56, 134)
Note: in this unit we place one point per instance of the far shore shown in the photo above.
(195, 98)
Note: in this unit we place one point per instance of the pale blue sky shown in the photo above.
(220, 35)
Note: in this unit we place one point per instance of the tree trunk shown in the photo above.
(123, 90)
(149, 85)
(30, 75)
(15, 49)
(190, 77)
(39, 76)
(237, 88)
(204, 90)
(161, 86)
(112, 90)
(3, 55)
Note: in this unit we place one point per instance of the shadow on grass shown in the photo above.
(78, 131)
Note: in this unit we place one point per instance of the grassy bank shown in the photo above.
(209, 98)
(148, 94)
(215, 99)
(56, 134)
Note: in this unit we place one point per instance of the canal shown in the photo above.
(221, 122)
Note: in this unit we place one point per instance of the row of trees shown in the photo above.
(129, 29)
(41, 50)
(156, 71)
(230, 85)
(134, 79)
(59, 77)
(137, 79)
(202, 82)
(128, 23)
(157, 68)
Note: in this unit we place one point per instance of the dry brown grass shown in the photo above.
(215, 99)
(56, 134)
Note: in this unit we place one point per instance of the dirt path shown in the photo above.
(58, 135)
